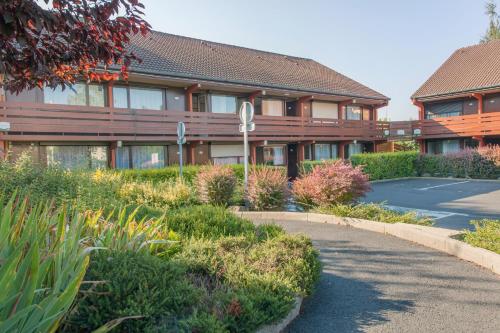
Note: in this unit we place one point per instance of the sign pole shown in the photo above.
(246, 125)
(180, 159)
(181, 130)
(245, 159)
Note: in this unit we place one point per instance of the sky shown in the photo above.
(389, 45)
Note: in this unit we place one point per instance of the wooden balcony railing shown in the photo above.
(49, 122)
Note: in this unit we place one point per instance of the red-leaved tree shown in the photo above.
(62, 41)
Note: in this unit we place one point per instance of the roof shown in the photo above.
(184, 57)
(467, 69)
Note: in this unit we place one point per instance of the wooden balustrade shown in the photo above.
(50, 122)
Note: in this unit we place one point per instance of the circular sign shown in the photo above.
(246, 112)
(181, 129)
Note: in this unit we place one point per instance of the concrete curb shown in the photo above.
(435, 238)
(442, 178)
(280, 327)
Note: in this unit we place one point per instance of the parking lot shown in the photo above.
(451, 202)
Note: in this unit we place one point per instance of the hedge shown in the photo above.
(189, 173)
(387, 165)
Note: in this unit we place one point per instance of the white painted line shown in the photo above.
(443, 185)
(435, 214)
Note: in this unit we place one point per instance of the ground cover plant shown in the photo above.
(375, 212)
(485, 235)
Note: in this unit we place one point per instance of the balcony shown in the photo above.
(50, 122)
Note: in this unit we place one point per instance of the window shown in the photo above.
(355, 148)
(322, 151)
(74, 95)
(223, 104)
(325, 110)
(96, 95)
(77, 157)
(353, 113)
(441, 110)
(176, 100)
(308, 152)
(226, 154)
(443, 146)
(272, 107)
(147, 157)
(120, 97)
(146, 98)
(274, 155)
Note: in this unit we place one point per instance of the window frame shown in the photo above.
(283, 106)
(211, 109)
(87, 95)
(145, 87)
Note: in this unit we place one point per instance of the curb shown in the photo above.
(280, 327)
(442, 178)
(432, 237)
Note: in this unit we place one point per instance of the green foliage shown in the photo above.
(493, 31)
(42, 264)
(133, 284)
(216, 184)
(307, 166)
(468, 163)
(267, 189)
(207, 222)
(485, 235)
(375, 212)
(387, 165)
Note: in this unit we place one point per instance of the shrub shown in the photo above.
(42, 264)
(267, 189)
(485, 235)
(330, 183)
(467, 163)
(207, 222)
(164, 195)
(216, 184)
(491, 153)
(387, 165)
(375, 212)
(133, 284)
(308, 166)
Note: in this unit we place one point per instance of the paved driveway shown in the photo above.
(377, 283)
(453, 203)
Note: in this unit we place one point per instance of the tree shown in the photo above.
(58, 42)
(493, 31)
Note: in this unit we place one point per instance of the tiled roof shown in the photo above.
(468, 69)
(177, 56)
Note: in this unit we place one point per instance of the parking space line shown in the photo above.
(442, 185)
(436, 215)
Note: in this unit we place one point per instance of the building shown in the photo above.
(459, 105)
(304, 110)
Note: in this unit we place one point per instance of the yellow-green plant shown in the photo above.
(42, 264)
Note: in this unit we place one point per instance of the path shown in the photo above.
(378, 283)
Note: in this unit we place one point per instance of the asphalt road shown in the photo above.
(453, 203)
(377, 283)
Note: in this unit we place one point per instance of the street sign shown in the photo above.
(250, 127)
(181, 130)
(246, 112)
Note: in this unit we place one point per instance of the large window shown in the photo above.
(274, 155)
(146, 98)
(120, 97)
(443, 146)
(77, 157)
(77, 94)
(227, 154)
(272, 107)
(325, 151)
(353, 113)
(355, 148)
(442, 110)
(140, 157)
(325, 110)
(223, 104)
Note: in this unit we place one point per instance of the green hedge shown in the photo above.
(172, 172)
(387, 165)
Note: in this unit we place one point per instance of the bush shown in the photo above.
(133, 284)
(375, 212)
(467, 163)
(164, 195)
(486, 235)
(387, 165)
(216, 185)
(207, 222)
(267, 189)
(308, 166)
(330, 183)
(491, 153)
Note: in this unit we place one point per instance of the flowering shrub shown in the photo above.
(467, 163)
(216, 184)
(491, 152)
(267, 189)
(331, 183)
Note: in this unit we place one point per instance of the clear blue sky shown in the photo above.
(392, 46)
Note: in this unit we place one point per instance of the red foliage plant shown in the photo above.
(331, 183)
(66, 40)
(267, 188)
(491, 153)
(216, 184)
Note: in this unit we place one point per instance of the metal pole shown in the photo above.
(180, 160)
(245, 159)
